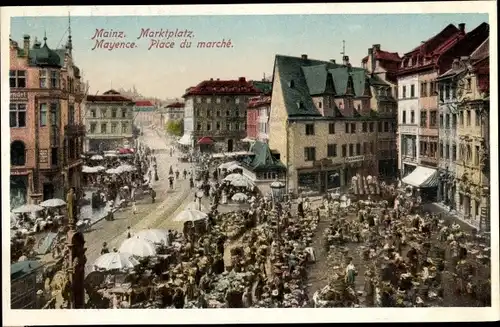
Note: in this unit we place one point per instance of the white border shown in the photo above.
(58, 317)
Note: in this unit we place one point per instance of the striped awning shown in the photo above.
(422, 177)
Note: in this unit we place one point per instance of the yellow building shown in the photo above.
(472, 172)
(321, 124)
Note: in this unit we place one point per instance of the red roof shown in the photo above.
(144, 103)
(108, 96)
(206, 140)
(385, 55)
(231, 87)
(259, 101)
(432, 44)
(176, 105)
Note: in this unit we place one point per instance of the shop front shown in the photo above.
(18, 190)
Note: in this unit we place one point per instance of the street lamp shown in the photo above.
(199, 195)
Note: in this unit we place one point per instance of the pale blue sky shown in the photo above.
(256, 39)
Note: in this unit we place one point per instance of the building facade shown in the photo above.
(144, 111)
(46, 127)
(109, 121)
(219, 113)
(383, 66)
(321, 124)
(174, 111)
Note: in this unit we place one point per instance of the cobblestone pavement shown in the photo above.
(148, 215)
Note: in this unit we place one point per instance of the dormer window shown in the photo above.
(300, 105)
(291, 84)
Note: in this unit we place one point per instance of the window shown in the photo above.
(43, 114)
(331, 128)
(347, 128)
(43, 79)
(379, 127)
(372, 148)
(454, 152)
(447, 91)
(114, 127)
(17, 115)
(344, 150)
(310, 153)
(423, 148)
(319, 104)
(228, 100)
(386, 126)
(332, 150)
(441, 92)
(93, 127)
(371, 127)
(432, 89)
(54, 156)
(461, 118)
(54, 114)
(237, 100)
(441, 150)
(441, 120)
(454, 91)
(93, 113)
(198, 99)
(217, 113)
(17, 78)
(124, 113)
(447, 121)
(477, 116)
(412, 117)
(404, 116)
(358, 149)
(404, 92)
(353, 128)
(454, 121)
(198, 127)
(17, 153)
(309, 129)
(217, 100)
(476, 155)
(433, 122)
(423, 89)
(124, 128)
(209, 100)
(228, 113)
(412, 91)
(364, 127)
(365, 147)
(469, 84)
(237, 126)
(217, 126)
(104, 128)
(468, 117)
(54, 79)
(351, 150)
(447, 151)
(423, 119)
(113, 113)
(209, 126)
(71, 114)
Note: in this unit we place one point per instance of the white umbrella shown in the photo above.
(244, 182)
(233, 167)
(110, 155)
(99, 168)
(239, 197)
(277, 184)
(196, 206)
(113, 171)
(53, 203)
(138, 247)
(228, 164)
(27, 208)
(96, 157)
(88, 170)
(153, 235)
(116, 260)
(190, 215)
(126, 168)
(232, 177)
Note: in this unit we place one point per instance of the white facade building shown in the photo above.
(187, 138)
(408, 122)
(263, 123)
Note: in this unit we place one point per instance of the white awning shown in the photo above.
(422, 177)
(186, 139)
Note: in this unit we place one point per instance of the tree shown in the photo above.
(175, 127)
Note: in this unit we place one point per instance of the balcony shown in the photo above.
(428, 161)
(409, 159)
(74, 130)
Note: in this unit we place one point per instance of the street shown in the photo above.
(149, 215)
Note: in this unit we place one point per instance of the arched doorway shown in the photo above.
(230, 145)
(17, 153)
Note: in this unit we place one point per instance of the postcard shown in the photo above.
(292, 163)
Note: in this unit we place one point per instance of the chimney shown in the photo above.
(376, 47)
(371, 55)
(333, 61)
(461, 27)
(242, 79)
(345, 60)
(211, 79)
(304, 57)
(26, 45)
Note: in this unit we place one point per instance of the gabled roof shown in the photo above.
(175, 105)
(436, 41)
(263, 159)
(384, 55)
(259, 101)
(482, 51)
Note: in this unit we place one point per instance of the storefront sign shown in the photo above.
(44, 156)
(19, 172)
(354, 159)
(19, 96)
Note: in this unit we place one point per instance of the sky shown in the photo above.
(255, 40)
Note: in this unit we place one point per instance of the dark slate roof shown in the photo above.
(340, 79)
(109, 96)
(263, 159)
(22, 268)
(228, 87)
(44, 56)
(315, 78)
(263, 86)
(359, 81)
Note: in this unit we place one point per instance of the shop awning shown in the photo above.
(205, 140)
(422, 177)
(186, 139)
